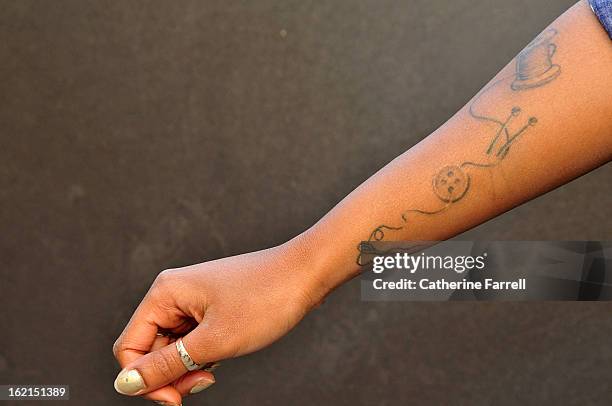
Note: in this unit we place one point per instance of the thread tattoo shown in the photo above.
(534, 68)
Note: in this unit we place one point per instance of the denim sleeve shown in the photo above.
(603, 11)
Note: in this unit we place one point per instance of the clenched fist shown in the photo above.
(221, 309)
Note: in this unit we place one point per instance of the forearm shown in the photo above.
(545, 119)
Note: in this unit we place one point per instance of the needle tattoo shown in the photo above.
(534, 68)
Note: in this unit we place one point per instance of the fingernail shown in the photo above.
(159, 402)
(212, 366)
(129, 382)
(200, 386)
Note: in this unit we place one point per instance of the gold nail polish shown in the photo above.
(129, 382)
(200, 386)
(211, 366)
(159, 402)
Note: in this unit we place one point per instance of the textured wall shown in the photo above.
(137, 136)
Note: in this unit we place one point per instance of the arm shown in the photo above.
(545, 119)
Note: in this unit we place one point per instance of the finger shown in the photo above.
(130, 382)
(137, 336)
(150, 371)
(190, 383)
(160, 342)
(142, 330)
(158, 368)
(194, 382)
(168, 395)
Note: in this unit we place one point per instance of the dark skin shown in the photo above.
(544, 120)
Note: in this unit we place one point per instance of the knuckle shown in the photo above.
(163, 365)
(117, 347)
(164, 278)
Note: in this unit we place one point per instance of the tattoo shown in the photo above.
(534, 68)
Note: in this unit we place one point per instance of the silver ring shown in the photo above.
(189, 363)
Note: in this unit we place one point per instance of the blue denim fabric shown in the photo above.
(603, 11)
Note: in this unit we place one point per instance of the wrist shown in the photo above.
(320, 266)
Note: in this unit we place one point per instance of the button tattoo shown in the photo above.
(451, 183)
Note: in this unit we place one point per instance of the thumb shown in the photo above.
(153, 370)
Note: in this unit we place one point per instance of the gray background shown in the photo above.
(137, 136)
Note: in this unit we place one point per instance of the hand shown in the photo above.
(224, 308)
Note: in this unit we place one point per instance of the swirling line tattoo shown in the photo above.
(534, 68)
